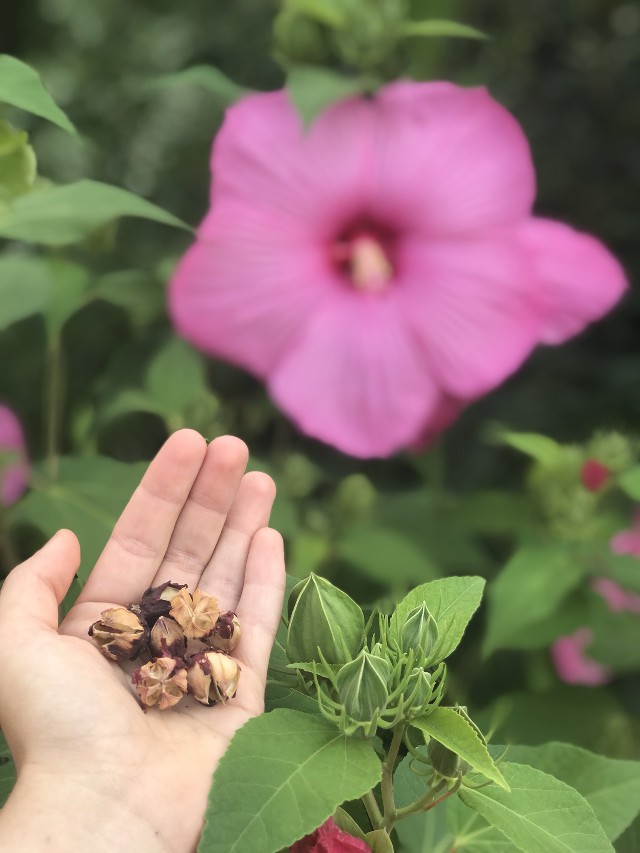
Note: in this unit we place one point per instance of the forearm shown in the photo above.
(46, 814)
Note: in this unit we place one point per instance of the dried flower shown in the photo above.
(167, 639)
(156, 601)
(213, 677)
(197, 614)
(119, 633)
(161, 682)
(226, 635)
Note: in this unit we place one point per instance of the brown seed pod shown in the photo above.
(156, 601)
(167, 639)
(226, 634)
(197, 614)
(161, 682)
(213, 677)
(119, 633)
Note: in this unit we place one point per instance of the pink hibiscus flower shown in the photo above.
(329, 838)
(572, 664)
(14, 474)
(618, 599)
(382, 268)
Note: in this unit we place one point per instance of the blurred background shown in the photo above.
(570, 72)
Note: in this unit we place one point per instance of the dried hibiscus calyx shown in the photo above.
(196, 614)
(167, 639)
(156, 601)
(226, 634)
(119, 633)
(213, 677)
(161, 682)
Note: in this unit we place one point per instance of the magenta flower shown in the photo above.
(618, 599)
(14, 469)
(329, 838)
(571, 663)
(382, 268)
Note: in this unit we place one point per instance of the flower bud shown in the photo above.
(156, 601)
(119, 633)
(419, 632)
(161, 682)
(594, 475)
(445, 762)
(167, 639)
(197, 614)
(226, 634)
(323, 619)
(362, 686)
(213, 677)
(419, 689)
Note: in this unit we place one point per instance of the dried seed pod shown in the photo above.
(213, 677)
(162, 682)
(119, 633)
(197, 614)
(156, 601)
(226, 634)
(167, 639)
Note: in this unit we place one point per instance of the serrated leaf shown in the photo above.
(21, 86)
(283, 775)
(531, 586)
(385, 555)
(312, 89)
(278, 696)
(87, 497)
(176, 376)
(441, 28)
(540, 814)
(610, 786)
(7, 771)
(630, 482)
(57, 216)
(452, 730)
(451, 601)
(25, 288)
(207, 77)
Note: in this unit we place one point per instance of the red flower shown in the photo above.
(594, 475)
(329, 838)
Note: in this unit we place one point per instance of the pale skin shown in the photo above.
(96, 772)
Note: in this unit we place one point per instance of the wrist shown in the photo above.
(66, 813)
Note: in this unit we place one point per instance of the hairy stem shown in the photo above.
(53, 403)
(428, 801)
(373, 809)
(388, 800)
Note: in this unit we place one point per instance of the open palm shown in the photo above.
(196, 518)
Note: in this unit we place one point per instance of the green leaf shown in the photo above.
(630, 482)
(622, 568)
(610, 786)
(20, 86)
(207, 77)
(312, 89)
(439, 27)
(615, 636)
(629, 842)
(17, 162)
(25, 288)
(176, 376)
(531, 586)
(279, 696)
(470, 833)
(325, 11)
(7, 771)
(379, 841)
(87, 497)
(385, 555)
(57, 216)
(283, 775)
(452, 730)
(538, 447)
(451, 601)
(134, 291)
(540, 814)
(70, 283)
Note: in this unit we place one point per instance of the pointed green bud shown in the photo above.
(419, 689)
(362, 686)
(323, 618)
(445, 762)
(419, 632)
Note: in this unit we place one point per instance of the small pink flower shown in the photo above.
(572, 664)
(14, 475)
(628, 541)
(594, 475)
(617, 598)
(329, 838)
(383, 265)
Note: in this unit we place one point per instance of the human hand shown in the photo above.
(95, 772)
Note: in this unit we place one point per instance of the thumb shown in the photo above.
(35, 588)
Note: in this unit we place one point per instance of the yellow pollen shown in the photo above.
(369, 265)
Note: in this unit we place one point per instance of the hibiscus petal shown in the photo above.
(448, 160)
(580, 280)
(15, 476)
(471, 303)
(357, 378)
(245, 289)
(573, 665)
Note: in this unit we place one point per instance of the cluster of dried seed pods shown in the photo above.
(186, 639)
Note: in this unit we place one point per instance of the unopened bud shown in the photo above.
(419, 689)
(226, 634)
(161, 682)
(197, 614)
(362, 686)
(446, 762)
(213, 677)
(167, 639)
(119, 633)
(156, 601)
(594, 475)
(419, 632)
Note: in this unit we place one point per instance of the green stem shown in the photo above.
(429, 801)
(373, 809)
(53, 403)
(388, 800)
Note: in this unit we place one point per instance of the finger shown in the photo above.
(260, 605)
(34, 589)
(201, 521)
(140, 538)
(224, 574)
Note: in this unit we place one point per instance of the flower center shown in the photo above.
(364, 259)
